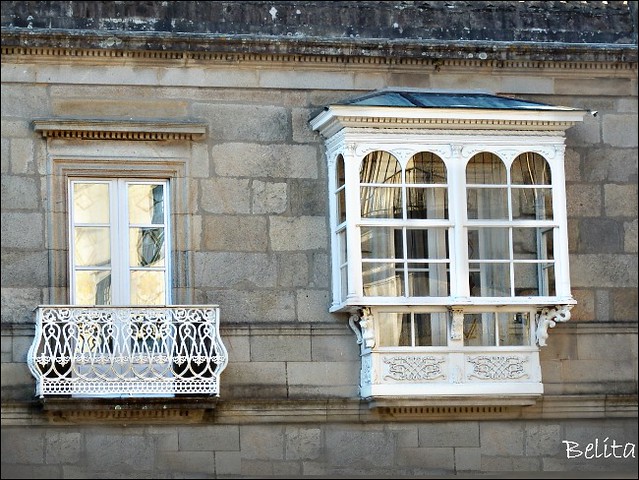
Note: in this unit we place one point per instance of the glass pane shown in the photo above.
(489, 280)
(344, 282)
(382, 242)
(488, 243)
(426, 202)
(93, 287)
(92, 246)
(380, 167)
(532, 204)
(430, 329)
(534, 279)
(532, 244)
(479, 329)
(382, 279)
(485, 169)
(146, 247)
(381, 202)
(341, 238)
(431, 243)
(425, 167)
(341, 206)
(487, 203)
(146, 204)
(514, 328)
(147, 287)
(90, 203)
(428, 279)
(530, 169)
(392, 327)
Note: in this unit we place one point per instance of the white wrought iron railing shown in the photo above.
(106, 351)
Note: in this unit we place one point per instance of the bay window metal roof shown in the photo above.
(422, 109)
(407, 98)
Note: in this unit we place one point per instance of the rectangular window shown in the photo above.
(119, 252)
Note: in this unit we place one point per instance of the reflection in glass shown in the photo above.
(90, 203)
(514, 328)
(146, 247)
(147, 287)
(426, 202)
(93, 287)
(487, 203)
(341, 190)
(489, 279)
(485, 169)
(377, 201)
(532, 203)
(489, 243)
(382, 242)
(383, 279)
(92, 246)
(530, 169)
(479, 329)
(146, 204)
(428, 279)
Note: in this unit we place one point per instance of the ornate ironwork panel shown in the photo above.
(113, 351)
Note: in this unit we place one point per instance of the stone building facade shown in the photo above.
(220, 100)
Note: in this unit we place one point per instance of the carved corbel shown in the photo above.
(548, 318)
(362, 323)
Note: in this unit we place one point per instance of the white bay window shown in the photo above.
(450, 252)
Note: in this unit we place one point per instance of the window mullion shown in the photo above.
(459, 270)
(120, 259)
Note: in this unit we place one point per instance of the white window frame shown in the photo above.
(119, 237)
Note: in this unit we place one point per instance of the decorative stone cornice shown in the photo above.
(119, 129)
(94, 46)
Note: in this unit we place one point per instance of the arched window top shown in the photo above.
(486, 168)
(530, 169)
(426, 168)
(380, 167)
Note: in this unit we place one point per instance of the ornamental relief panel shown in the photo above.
(410, 368)
(497, 367)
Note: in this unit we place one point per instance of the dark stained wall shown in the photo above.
(576, 22)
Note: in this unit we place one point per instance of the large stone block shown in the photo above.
(467, 459)
(583, 200)
(239, 270)
(117, 452)
(225, 195)
(22, 159)
(63, 447)
(630, 237)
(258, 306)
(600, 235)
(209, 438)
(298, 233)
(293, 270)
(620, 130)
(18, 304)
(22, 445)
(118, 107)
(22, 230)
(24, 268)
(303, 443)
(19, 193)
(431, 458)
(449, 434)
(620, 200)
(501, 438)
(542, 439)
(269, 197)
(262, 442)
(323, 374)
(312, 306)
(603, 270)
(624, 305)
(187, 463)
(240, 122)
(617, 165)
(228, 463)
(308, 198)
(235, 233)
(280, 348)
(265, 160)
(334, 348)
(305, 79)
(359, 448)
(24, 101)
